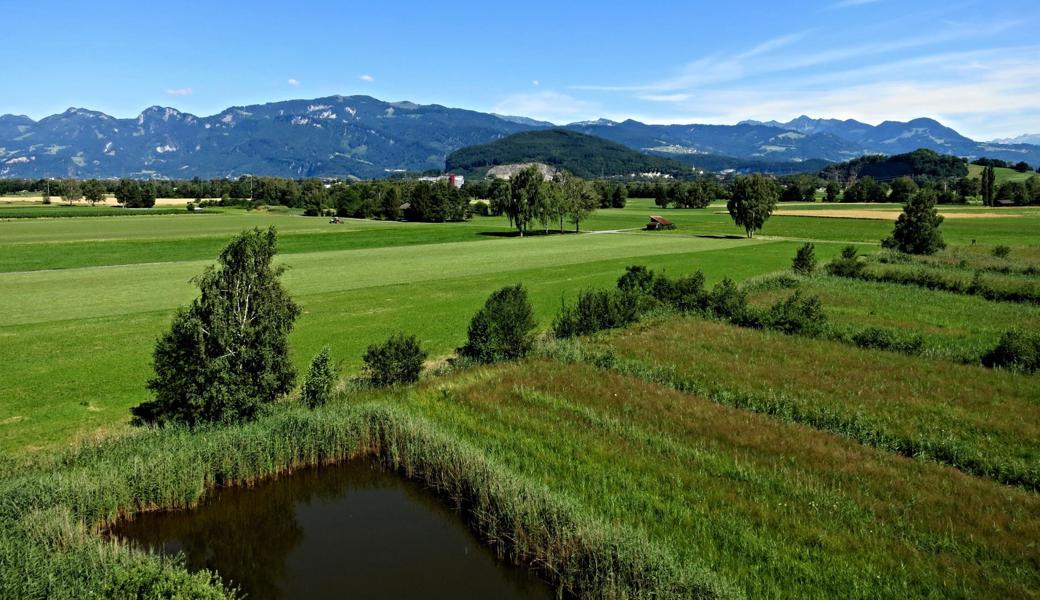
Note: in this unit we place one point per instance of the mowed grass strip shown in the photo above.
(983, 421)
(953, 326)
(81, 356)
(780, 509)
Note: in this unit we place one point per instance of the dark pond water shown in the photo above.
(351, 530)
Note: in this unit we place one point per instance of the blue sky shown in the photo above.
(973, 65)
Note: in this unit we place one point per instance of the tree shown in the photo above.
(390, 203)
(618, 196)
(1022, 167)
(93, 191)
(833, 189)
(661, 195)
(128, 193)
(989, 184)
(752, 201)
(917, 229)
(321, 377)
(227, 354)
(70, 191)
(397, 360)
(1033, 189)
(968, 187)
(502, 329)
(866, 189)
(524, 188)
(902, 189)
(1014, 191)
(804, 262)
(581, 200)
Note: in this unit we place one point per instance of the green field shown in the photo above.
(86, 298)
(1003, 174)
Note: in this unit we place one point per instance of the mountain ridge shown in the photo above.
(362, 136)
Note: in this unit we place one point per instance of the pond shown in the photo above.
(351, 530)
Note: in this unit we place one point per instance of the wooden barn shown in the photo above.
(659, 222)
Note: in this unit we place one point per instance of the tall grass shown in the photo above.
(53, 511)
(981, 421)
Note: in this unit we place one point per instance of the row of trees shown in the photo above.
(528, 198)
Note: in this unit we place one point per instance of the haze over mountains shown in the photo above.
(365, 137)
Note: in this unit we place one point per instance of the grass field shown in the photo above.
(680, 457)
(81, 335)
(1003, 174)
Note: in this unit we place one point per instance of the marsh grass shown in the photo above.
(54, 511)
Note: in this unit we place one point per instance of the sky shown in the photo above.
(973, 65)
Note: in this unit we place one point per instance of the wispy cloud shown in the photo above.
(179, 91)
(851, 3)
(535, 82)
(546, 105)
(366, 77)
(294, 82)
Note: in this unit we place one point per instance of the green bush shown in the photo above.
(848, 265)
(502, 329)
(1017, 350)
(637, 279)
(727, 300)
(804, 262)
(398, 360)
(321, 377)
(917, 230)
(1002, 251)
(798, 314)
(884, 339)
(596, 310)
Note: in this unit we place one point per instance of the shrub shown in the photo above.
(397, 360)
(796, 315)
(848, 265)
(637, 279)
(594, 311)
(727, 300)
(884, 339)
(1002, 251)
(688, 293)
(190, 206)
(227, 354)
(321, 377)
(1017, 350)
(502, 329)
(804, 262)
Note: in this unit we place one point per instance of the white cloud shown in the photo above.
(179, 91)
(367, 77)
(294, 82)
(535, 82)
(547, 106)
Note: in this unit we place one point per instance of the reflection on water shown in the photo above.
(351, 530)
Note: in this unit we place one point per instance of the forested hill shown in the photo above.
(583, 155)
(919, 163)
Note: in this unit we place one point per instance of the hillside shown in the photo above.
(1003, 174)
(919, 163)
(583, 155)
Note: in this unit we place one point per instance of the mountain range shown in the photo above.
(364, 137)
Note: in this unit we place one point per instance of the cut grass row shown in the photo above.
(574, 469)
(985, 422)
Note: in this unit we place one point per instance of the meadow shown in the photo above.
(679, 457)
